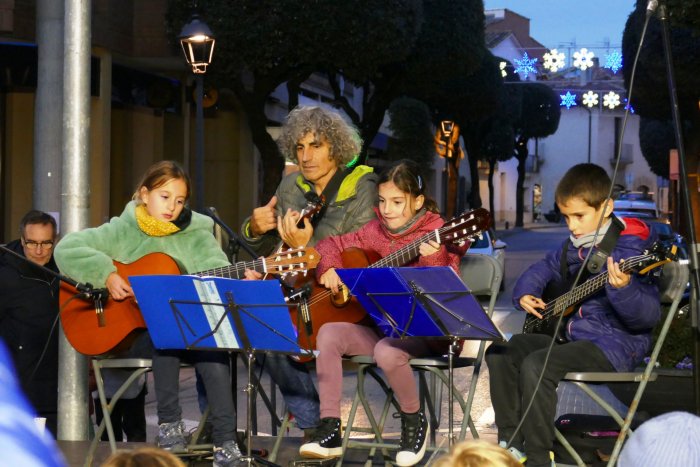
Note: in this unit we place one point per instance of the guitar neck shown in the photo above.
(236, 270)
(407, 253)
(591, 286)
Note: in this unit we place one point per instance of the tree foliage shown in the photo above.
(656, 139)
(650, 89)
(262, 44)
(539, 117)
(411, 126)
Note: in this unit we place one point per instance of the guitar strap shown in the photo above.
(605, 247)
(330, 192)
(599, 254)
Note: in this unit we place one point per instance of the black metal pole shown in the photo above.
(199, 144)
(692, 244)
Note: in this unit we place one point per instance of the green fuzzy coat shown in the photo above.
(86, 256)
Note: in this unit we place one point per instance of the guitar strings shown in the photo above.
(551, 309)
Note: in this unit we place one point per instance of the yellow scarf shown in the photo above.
(152, 226)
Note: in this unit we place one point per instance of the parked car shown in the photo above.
(489, 245)
(636, 202)
(668, 237)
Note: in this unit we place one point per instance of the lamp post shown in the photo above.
(197, 43)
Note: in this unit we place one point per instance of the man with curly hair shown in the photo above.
(322, 144)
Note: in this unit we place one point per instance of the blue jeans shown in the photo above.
(296, 386)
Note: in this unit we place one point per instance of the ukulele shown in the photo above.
(111, 327)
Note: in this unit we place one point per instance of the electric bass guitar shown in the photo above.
(323, 307)
(109, 326)
(566, 303)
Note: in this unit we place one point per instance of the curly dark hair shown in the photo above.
(342, 137)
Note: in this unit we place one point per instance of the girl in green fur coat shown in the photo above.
(158, 220)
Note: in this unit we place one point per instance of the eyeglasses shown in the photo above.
(34, 244)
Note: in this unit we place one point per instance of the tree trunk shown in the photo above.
(521, 153)
(471, 143)
(452, 177)
(272, 162)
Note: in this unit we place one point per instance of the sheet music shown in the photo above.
(208, 293)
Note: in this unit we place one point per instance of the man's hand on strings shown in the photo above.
(118, 288)
(616, 277)
(331, 280)
(531, 304)
(429, 248)
(263, 218)
(291, 235)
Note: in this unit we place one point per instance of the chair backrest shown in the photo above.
(483, 276)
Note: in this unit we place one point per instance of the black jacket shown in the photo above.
(28, 309)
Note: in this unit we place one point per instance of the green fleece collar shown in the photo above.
(348, 187)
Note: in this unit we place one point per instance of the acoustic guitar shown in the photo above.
(566, 303)
(323, 307)
(92, 331)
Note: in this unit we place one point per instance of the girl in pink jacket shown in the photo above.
(404, 214)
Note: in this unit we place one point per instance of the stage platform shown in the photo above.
(74, 452)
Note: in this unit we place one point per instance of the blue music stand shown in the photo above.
(430, 302)
(420, 302)
(212, 313)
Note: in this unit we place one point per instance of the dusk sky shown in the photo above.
(556, 22)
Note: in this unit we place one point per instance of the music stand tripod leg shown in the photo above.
(250, 394)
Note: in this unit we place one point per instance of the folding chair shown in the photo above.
(483, 275)
(674, 280)
(138, 366)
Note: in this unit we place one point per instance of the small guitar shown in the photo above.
(565, 303)
(322, 306)
(94, 331)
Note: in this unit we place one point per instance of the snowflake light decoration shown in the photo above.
(590, 99)
(502, 66)
(568, 100)
(611, 100)
(526, 65)
(613, 61)
(553, 60)
(628, 106)
(583, 59)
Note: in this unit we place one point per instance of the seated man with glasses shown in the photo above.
(28, 310)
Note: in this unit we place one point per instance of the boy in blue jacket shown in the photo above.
(610, 331)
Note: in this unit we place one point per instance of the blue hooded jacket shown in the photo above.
(618, 321)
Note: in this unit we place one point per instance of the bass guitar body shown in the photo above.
(324, 307)
(92, 334)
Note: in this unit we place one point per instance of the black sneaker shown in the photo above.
(414, 439)
(325, 442)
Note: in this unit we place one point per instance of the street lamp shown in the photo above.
(197, 43)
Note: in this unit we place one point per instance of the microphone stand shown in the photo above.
(86, 289)
(234, 240)
(693, 245)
